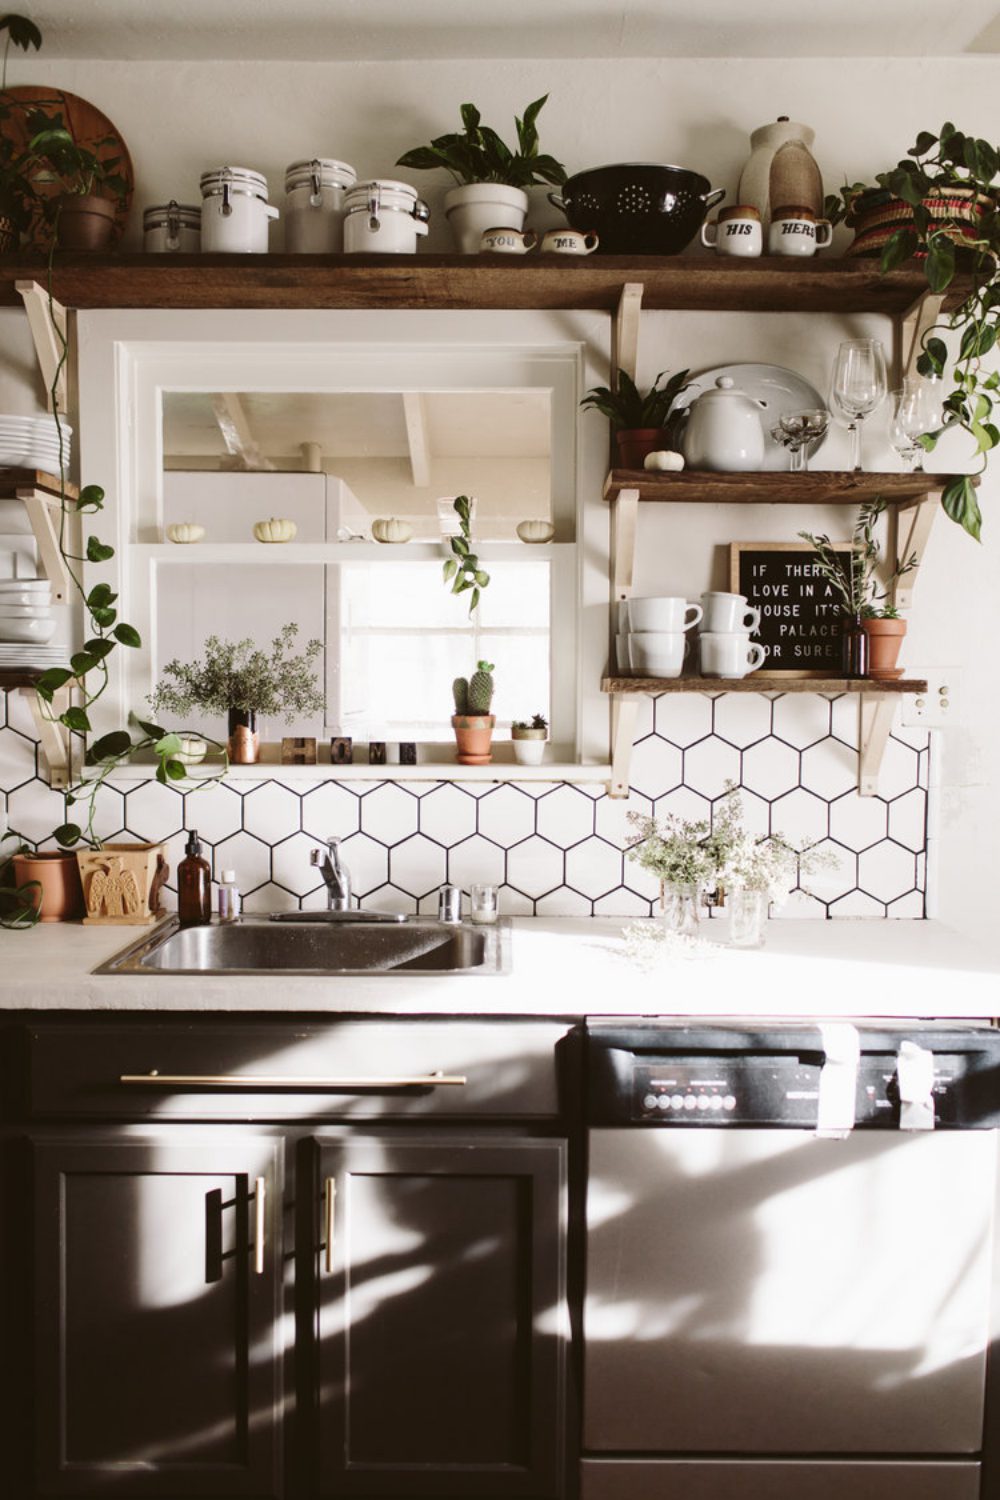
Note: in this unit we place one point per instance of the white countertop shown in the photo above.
(561, 967)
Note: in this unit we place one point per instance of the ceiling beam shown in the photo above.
(417, 439)
(237, 434)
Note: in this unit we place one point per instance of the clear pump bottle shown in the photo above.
(230, 902)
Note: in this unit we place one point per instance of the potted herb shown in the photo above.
(241, 680)
(638, 419)
(16, 192)
(462, 570)
(939, 205)
(529, 740)
(492, 178)
(854, 577)
(472, 721)
(91, 188)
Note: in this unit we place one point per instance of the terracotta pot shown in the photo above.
(86, 222)
(121, 883)
(633, 443)
(61, 896)
(473, 733)
(885, 637)
(244, 741)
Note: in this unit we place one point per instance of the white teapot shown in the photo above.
(724, 430)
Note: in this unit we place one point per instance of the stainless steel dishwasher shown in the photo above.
(791, 1273)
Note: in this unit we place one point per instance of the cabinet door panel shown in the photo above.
(442, 1318)
(156, 1316)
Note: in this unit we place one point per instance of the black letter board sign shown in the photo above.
(800, 613)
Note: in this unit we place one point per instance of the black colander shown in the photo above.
(638, 208)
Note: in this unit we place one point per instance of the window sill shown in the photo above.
(429, 771)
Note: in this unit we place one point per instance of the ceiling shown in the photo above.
(414, 30)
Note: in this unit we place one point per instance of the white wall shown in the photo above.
(180, 118)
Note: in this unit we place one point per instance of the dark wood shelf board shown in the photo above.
(834, 487)
(12, 480)
(694, 282)
(758, 682)
(26, 677)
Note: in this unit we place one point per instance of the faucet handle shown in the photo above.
(316, 856)
(449, 903)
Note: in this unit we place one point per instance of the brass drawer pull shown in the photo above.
(260, 1211)
(154, 1079)
(331, 1207)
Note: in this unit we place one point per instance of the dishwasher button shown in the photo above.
(649, 1102)
(702, 1101)
(715, 1102)
(663, 1102)
(690, 1101)
(729, 1102)
(676, 1101)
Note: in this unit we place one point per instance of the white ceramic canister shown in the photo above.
(235, 213)
(384, 216)
(171, 228)
(314, 205)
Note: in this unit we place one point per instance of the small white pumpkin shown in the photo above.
(275, 530)
(193, 750)
(665, 461)
(185, 532)
(536, 531)
(391, 529)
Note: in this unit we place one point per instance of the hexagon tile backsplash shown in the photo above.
(555, 848)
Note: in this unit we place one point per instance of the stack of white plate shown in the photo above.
(26, 623)
(33, 443)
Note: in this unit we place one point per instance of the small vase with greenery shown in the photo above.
(491, 177)
(686, 857)
(638, 419)
(242, 680)
(472, 721)
(90, 185)
(462, 571)
(854, 576)
(945, 197)
(529, 739)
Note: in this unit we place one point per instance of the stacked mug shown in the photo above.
(652, 638)
(727, 623)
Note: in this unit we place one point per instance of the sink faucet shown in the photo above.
(335, 874)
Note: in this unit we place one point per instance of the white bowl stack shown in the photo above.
(27, 624)
(33, 443)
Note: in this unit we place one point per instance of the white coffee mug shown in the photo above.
(508, 241)
(730, 655)
(662, 614)
(569, 242)
(728, 612)
(797, 231)
(657, 653)
(737, 231)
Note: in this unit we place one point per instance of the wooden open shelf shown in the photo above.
(761, 682)
(695, 283)
(12, 480)
(833, 487)
(25, 677)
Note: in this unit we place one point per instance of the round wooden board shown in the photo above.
(86, 124)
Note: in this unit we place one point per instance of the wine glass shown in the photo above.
(796, 430)
(859, 386)
(916, 409)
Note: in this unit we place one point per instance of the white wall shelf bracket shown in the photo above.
(914, 324)
(44, 513)
(624, 528)
(912, 532)
(875, 716)
(48, 324)
(624, 709)
(54, 738)
(625, 331)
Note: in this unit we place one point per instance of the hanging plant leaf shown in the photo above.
(98, 551)
(127, 635)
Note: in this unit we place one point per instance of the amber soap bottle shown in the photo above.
(194, 885)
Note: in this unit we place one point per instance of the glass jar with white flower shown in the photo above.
(685, 858)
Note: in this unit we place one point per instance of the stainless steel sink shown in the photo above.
(258, 946)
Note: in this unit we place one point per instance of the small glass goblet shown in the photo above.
(796, 430)
(916, 410)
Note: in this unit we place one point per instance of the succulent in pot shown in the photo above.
(91, 186)
(472, 721)
(638, 419)
(529, 739)
(491, 177)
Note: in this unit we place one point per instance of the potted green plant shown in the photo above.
(16, 191)
(91, 186)
(472, 721)
(941, 206)
(854, 577)
(491, 177)
(529, 740)
(638, 418)
(241, 680)
(462, 570)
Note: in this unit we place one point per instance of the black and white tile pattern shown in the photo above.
(556, 849)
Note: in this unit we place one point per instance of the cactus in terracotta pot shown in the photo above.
(472, 721)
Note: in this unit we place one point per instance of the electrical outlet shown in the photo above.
(936, 708)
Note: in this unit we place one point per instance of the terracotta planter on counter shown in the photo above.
(885, 637)
(60, 898)
(633, 443)
(122, 883)
(474, 735)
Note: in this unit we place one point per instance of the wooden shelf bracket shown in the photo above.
(48, 324)
(44, 514)
(912, 532)
(625, 331)
(54, 738)
(624, 709)
(875, 715)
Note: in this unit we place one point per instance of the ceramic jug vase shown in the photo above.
(781, 169)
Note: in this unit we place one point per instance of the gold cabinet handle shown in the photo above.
(155, 1079)
(260, 1212)
(329, 1215)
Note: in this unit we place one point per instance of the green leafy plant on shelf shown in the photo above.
(242, 675)
(77, 170)
(956, 237)
(854, 574)
(629, 409)
(17, 31)
(463, 571)
(17, 163)
(478, 154)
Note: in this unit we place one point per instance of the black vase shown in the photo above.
(244, 745)
(853, 646)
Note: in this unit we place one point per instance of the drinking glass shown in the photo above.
(796, 430)
(916, 409)
(859, 386)
(484, 904)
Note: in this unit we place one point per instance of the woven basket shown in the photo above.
(876, 215)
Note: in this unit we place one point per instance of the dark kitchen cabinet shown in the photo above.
(441, 1308)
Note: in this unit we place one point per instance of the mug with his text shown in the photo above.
(736, 231)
